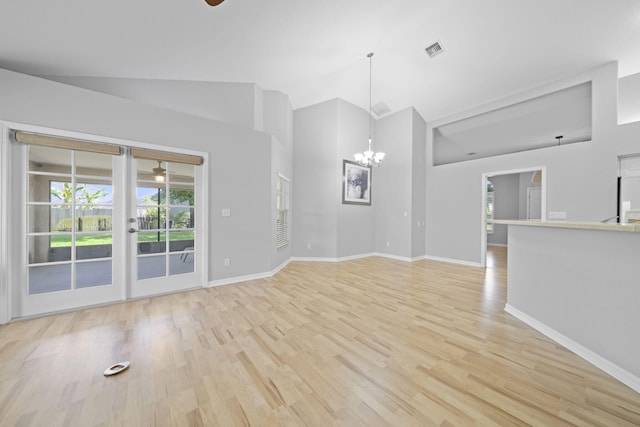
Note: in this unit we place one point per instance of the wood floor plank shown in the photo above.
(367, 342)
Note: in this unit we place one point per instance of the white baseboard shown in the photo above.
(501, 245)
(396, 257)
(327, 259)
(238, 279)
(596, 360)
(313, 259)
(352, 257)
(453, 261)
(280, 267)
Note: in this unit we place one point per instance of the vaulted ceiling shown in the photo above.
(314, 51)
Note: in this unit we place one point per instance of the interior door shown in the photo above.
(164, 227)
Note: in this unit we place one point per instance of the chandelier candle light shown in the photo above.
(369, 158)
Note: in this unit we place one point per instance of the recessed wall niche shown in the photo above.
(528, 125)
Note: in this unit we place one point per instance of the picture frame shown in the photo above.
(356, 184)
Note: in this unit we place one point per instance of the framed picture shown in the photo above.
(356, 184)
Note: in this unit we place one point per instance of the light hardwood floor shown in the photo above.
(369, 342)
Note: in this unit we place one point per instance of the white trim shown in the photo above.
(283, 177)
(352, 257)
(280, 267)
(238, 279)
(390, 256)
(5, 167)
(453, 261)
(596, 360)
(397, 257)
(502, 245)
(313, 259)
(327, 259)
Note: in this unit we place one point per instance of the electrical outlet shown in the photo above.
(388, 244)
(226, 262)
(308, 246)
(557, 216)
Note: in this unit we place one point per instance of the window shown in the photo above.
(489, 208)
(282, 211)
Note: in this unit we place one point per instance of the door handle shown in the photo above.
(132, 230)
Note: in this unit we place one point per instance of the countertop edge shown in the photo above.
(630, 227)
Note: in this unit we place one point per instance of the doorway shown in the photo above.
(510, 194)
(97, 221)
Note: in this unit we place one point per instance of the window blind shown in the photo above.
(164, 156)
(67, 143)
(282, 211)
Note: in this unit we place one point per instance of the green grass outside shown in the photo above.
(63, 240)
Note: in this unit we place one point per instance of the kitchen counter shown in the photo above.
(579, 284)
(607, 226)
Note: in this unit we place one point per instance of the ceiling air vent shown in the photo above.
(434, 49)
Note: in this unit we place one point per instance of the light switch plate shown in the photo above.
(226, 212)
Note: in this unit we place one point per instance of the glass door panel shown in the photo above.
(166, 226)
(69, 220)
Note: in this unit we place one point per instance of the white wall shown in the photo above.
(278, 121)
(234, 103)
(236, 180)
(329, 132)
(418, 185)
(316, 186)
(393, 185)
(355, 223)
(324, 135)
(629, 99)
(581, 178)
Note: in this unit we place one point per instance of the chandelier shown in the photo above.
(369, 158)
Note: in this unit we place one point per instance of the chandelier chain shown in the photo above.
(370, 55)
(369, 158)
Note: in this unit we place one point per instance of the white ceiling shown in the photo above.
(316, 50)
